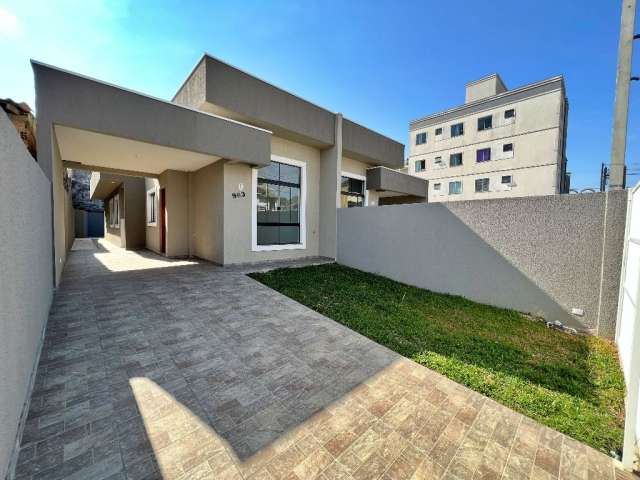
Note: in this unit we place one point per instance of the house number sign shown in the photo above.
(240, 193)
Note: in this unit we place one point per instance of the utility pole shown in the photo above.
(623, 79)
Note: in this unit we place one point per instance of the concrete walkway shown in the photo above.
(154, 368)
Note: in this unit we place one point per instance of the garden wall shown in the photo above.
(26, 279)
(541, 255)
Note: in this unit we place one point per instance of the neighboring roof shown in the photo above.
(11, 106)
(223, 88)
(510, 96)
(485, 78)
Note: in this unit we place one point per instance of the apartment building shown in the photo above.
(500, 143)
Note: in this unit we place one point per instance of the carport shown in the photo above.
(85, 123)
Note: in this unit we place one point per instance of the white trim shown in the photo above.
(355, 176)
(153, 190)
(303, 208)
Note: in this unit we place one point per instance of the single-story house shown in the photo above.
(235, 169)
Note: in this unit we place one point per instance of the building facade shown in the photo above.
(500, 143)
(233, 169)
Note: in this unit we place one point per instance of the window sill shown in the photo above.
(269, 248)
(152, 224)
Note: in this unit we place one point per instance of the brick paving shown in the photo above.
(155, 368)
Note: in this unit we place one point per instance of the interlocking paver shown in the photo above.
(177, 369)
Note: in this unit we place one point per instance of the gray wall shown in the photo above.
(26, 278)
(542, 255)
(363, 144)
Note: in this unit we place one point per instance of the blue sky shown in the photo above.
(381, 63)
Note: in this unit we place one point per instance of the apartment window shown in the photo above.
(455, 159)
(420, 165)
(421, 138)
(509, 116)
(114, 211)
(485, 123)
(506, 180)
(151, 207)
(457, 129)
(483, 155)
(438, 163)
(482, 185)
(278, 204)
(438, 133)
(351, 192)
(455, 188)
(437, 187)
(507, 150)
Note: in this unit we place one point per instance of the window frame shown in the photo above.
(485, 149)
(449, 187)
(451, 127)
(510, 182)
(482, 119)
(438, 162)
(419, 136)
(438, 136)
(437, 191)
(114, 211)
(423, 164)
(508, 153)
(152, 222)
(302, 211)
(484, 180)
(509, 120)
(461, 159)
(355, 176)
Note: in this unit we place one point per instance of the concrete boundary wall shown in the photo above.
(540, 255)
(26, 281)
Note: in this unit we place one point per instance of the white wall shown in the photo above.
(26, 278)
(628, 325)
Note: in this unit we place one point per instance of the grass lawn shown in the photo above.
(570, 383)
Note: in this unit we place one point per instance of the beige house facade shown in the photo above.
(500, 143)
(231, 170)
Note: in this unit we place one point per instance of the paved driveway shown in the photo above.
(155, 368)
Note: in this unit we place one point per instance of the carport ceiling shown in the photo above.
(117, 153)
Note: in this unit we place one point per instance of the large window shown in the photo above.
(421, 138)
(278, 204)
(457, 129)
(420, 165)
(351, 192)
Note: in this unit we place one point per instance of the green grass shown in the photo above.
(570, 383)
